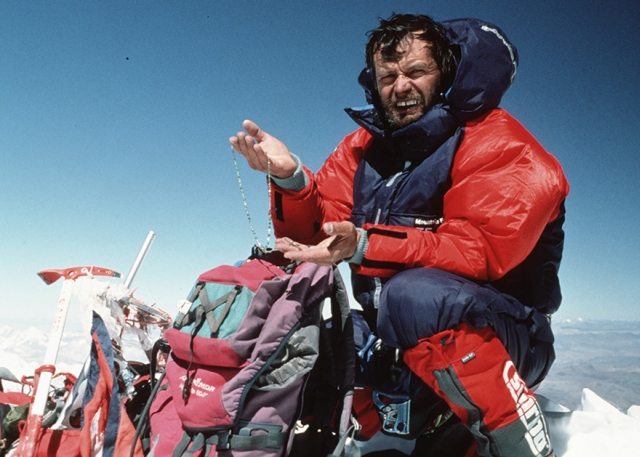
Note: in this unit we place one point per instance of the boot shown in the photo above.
(472, 371)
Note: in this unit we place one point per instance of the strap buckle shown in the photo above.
(224, 440)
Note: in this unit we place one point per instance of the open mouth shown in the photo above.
(401, 112)
(407, 104)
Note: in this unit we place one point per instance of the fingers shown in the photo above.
(260, 149)
(287, 245)
(315, 254)
(341, 243)
(245, 144)
(328, 228)
(252, 129)
(303, 253)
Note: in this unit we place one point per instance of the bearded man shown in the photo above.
(450, 214)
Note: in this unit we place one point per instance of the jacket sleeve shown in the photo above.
(328, 196)
(505, 189)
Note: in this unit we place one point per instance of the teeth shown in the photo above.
(407, 103)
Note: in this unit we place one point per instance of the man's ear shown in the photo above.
(368, 82)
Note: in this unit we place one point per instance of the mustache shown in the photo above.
(391, 102)
(389, 107)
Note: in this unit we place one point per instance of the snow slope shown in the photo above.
(593, 428)
(596, 429)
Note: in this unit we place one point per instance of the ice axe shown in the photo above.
(44, 374)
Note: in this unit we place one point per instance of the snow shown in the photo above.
(22, 350)
(595, 428)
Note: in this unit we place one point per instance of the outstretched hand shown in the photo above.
(255, 145)
(341, 244)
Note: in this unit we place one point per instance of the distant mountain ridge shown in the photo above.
(603, 356)
(23, 349)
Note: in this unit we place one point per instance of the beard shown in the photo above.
(398, 116)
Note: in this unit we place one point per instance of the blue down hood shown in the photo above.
(486, 66)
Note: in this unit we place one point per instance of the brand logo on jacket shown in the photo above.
(528, 410)
(427, 223)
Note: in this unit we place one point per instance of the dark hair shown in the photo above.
(394, 30)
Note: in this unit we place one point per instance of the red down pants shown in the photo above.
(472, 371)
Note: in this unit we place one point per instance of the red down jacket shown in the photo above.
(465, 188)
(505, 189)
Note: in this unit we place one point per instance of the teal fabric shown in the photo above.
(236, 312)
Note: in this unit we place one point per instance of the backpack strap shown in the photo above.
(346, 445)
(185, 317)
(206, 309)
(143, 422)
(181, 449)
(344, 353)
(223, 440)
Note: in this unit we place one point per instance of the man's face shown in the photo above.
(407, 83)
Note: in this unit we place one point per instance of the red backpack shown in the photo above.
(243, 348)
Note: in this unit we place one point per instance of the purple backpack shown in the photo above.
(243, 347)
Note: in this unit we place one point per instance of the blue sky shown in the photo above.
(115, 119)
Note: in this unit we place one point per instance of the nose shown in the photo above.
(403, 85)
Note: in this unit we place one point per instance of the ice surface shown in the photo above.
(598, 429)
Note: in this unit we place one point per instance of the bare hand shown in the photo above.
(341, 244)
(255, 145)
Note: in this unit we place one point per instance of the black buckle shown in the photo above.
(270, 255)
(224, 440)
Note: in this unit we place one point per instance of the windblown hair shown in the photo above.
(393, 31)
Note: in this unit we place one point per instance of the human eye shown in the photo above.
(387, 79)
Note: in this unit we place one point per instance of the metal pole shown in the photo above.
(141, 255)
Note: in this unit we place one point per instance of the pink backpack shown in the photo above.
(243, 348)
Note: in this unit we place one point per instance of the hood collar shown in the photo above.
(486, 67)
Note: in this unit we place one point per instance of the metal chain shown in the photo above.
(246, 207)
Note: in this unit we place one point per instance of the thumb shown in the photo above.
(337, 228)
(328, 228)
(253, 130)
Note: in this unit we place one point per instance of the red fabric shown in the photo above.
(166, 427)
(482, 376)
(91, 438)
(366, 413)
(473, 451)
(96, 415)
(200, 352)
(250, 274)
(505, 189)
(204, 402)
(14, 398)
(329, 197)
(472, 371)
(61, 443)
